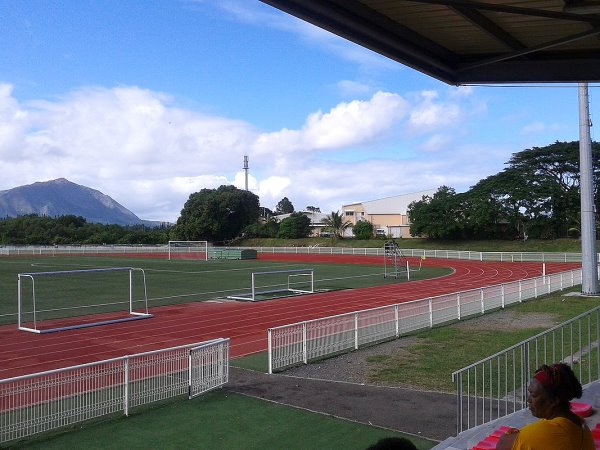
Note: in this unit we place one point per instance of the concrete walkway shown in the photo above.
(426, 414)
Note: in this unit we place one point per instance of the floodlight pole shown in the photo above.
(589, 259)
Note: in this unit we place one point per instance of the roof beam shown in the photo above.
(352, 20)
(514, 10)
(489, 27)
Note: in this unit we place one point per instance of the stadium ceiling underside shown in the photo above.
(470, 42)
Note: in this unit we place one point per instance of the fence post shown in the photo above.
(481, 299)
(356, 331)
(430, 301)
(520, 291)
(458, 304)
(304, 344)
(397, 319)
(270, 350)
(503, 299)
(126, 386)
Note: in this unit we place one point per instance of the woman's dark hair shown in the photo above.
(559, 381)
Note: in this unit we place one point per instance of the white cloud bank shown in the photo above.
(149, 154)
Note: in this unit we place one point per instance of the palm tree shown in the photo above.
(336, 223)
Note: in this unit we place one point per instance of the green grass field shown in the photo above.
(220, 421)
(167, 282)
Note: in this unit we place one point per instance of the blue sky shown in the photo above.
(151, 101)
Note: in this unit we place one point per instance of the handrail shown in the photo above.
(497, 385)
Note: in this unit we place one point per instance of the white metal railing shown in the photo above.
(301, 342)
(49, 400)
(379, 251)
(497, 385)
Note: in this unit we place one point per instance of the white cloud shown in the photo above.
(351, 123)
(435, 143)
(149, 154)
(430, 114)
(13, 123)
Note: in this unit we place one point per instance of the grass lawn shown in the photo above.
(429, 361)
(220, 421)
(531, 245)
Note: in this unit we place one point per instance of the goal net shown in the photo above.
(69, 299)
(278, 283)
(188, 250)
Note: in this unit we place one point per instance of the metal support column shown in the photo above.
(589, 277)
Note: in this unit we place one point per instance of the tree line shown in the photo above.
(66, 230)
(535, 196)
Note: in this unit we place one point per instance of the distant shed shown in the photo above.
(232, 253)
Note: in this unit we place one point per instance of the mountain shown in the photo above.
(61, 197)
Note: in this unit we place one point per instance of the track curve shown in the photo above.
(245, 323)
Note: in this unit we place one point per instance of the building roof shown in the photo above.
(397, 204)
(315, 217)
(470, 42)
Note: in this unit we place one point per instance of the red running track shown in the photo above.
(245, 323)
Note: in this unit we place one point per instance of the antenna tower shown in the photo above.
(246, 169)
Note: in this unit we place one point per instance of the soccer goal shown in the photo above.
(278, 283)
(188, 250)
(70, 299)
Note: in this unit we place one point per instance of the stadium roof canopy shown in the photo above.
(470, 42)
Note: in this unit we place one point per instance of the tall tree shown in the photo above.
(538, 192)
(284, 206)
(296, 226)
(217, 214)
(440, 216)
(335, 222)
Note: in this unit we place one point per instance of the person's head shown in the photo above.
(551, 389)
(393, 443)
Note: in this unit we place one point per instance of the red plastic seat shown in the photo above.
(486, 444)
(581, 409)
(500, 431)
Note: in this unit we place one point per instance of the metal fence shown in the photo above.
(314, 250)
(301, 342)
(497, 386)
(49, 400)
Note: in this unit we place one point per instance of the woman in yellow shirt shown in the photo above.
(550, 391)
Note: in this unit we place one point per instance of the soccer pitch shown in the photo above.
(160, 283)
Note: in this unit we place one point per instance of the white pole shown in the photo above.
(589, 279)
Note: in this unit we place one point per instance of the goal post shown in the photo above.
(71, 299)
(188, 250)
(278, 283)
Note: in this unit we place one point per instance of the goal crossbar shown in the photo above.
(133, 315)
(289, 288)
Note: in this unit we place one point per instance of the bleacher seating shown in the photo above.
(581, 409)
